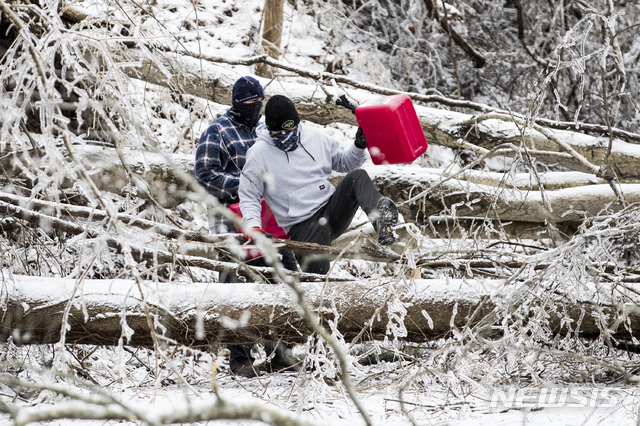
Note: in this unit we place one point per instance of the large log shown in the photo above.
(571, 196)
(34, 308)
(315, 102)
(47, 215)
(161, 179)
(507, 202)
(516, 200)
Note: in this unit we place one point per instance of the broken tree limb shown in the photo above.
(545, 132)
(74, 14)
(368, 251)
(184, 312)
(448, 128)
(518, 198)
(214, 82)
(68, 210)
(473, 194)
(402, 181)
(162, 180)
(445, 128)
(216, 86)
(462, 264)
(183, 242)
(157, 255)
(102, 405)
(198, 253)
(476, 56)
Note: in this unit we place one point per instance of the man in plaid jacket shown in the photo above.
(222, 148)
(220, 157)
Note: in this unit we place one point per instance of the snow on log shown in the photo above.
(207, 313)
(315, 102)
(568, 197)
(475, 194)
(507, 203)
(156, 170)
(483, 132)
(501, 196)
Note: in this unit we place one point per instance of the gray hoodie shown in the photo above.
(294, 184)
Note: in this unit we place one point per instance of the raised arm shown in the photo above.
(346, 159)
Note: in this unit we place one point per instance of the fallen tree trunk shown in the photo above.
(168, 188)
(204, 314)
(76, 15)
(471, 194)
(466, 199)
(446, 128)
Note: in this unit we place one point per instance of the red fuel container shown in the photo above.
(269, 223)
(392, 128)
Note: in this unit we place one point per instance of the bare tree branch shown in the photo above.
(521, 18)
(476, 56)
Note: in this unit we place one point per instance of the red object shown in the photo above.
(392, 128)
(257, 230)
(269, 223)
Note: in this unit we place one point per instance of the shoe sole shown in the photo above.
(387, 219)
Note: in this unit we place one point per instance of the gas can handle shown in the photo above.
(344, 102)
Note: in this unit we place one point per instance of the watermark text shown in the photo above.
(555, 397)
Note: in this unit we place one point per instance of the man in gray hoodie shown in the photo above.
(290, 165)
(219, 160)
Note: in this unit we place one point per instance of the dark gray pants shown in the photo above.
(355, 190)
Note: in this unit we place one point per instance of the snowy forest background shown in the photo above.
(516, 265)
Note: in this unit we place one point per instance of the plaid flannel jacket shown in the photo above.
(221, 155)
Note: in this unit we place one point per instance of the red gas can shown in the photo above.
(269, 223)
(392, 128)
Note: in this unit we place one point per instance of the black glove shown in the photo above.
(361, 141)
(344, 102)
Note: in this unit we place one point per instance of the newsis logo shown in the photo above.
(574, 397)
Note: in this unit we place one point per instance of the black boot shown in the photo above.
(241, 361)
(283, 360)
(387, 219)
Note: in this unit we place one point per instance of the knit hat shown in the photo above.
(246, 88)
(280, 114)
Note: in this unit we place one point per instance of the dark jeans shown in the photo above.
(355, 190)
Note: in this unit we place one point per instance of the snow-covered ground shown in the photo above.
(129, 377)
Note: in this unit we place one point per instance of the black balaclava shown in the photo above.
(244, 89)
(247, 114)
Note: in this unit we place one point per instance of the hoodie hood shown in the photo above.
(262, 133)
